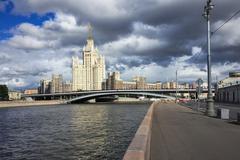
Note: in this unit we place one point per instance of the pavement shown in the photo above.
(201, 106)
(179, 133)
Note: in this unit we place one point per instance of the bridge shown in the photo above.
(86, 95)
(96, 95)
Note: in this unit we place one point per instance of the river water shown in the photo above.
(68, 132)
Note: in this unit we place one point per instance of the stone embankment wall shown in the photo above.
(139, 149)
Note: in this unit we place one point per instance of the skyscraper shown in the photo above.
(90, 74)
(45, 86)
(57, 83)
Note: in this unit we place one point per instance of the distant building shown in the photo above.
(184, 86)
(173, 85)
(67, 87)
(90, 74)
(114, 82)
(166, 85)
(57, 83)
(140, 82)
(14, 95)
(31, 91)
(228, 89)
(45, 86)
(193, 85)
(234, 77)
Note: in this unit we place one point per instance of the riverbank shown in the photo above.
(4, 104)
(139, 149)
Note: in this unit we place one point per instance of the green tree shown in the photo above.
(3, 92)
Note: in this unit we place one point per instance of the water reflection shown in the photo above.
(89, 131)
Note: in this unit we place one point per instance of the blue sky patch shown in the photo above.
(9, 20)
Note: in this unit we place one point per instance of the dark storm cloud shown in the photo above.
(183, 15)
(189, 28)
(4, 59)
(130, 34)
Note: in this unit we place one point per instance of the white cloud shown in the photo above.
(54, 33)
(36, 52)
(186, 72)
(130, 43)
(28, 42)
(196, 50)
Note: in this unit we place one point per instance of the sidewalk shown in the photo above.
(182, 134)
(201, 106)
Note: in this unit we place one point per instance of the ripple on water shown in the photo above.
(86, 131)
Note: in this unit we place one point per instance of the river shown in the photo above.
(72, 132)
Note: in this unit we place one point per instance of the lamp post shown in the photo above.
(176, 86)
(210, 103)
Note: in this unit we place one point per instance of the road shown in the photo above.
(183, 134)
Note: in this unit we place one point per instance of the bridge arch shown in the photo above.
(84, 98)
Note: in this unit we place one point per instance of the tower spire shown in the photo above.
(90, 34)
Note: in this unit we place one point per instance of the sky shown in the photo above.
(151, 38)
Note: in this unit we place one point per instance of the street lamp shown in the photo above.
(176, 86)
(210, 103)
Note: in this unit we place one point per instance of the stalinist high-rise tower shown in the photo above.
(90, 74)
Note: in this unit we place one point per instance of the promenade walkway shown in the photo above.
(179, 133)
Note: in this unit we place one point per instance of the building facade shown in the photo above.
(14, 95)
(114, 82)
(228, 89)
(57, 83)
(67, 87)
(31, 91)
(45, 86)
(90, 74)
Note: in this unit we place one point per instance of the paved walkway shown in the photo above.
(179, 133)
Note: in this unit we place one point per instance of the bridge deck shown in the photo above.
(182, 134)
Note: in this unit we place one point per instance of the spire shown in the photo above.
(90, 35)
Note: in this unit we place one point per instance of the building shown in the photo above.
(90, 74)
(140, 82)
(31, 91)
(228, 89)
(166, 85)
(45, 86)
(67, 87)
(234, 77)
(173, 85)
(14, 95)
(57, 83)
(193, 85)
(184, 86)
(114, 82)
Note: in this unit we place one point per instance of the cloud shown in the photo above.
(130, 45)
(186, 72)
(35, 52)
(154, 37)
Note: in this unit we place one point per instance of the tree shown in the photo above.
(3, 92)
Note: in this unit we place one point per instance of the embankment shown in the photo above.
(139, 148)
(4, 104)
